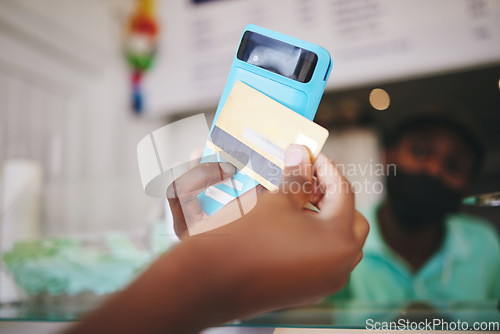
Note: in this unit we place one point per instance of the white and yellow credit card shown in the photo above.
(253, 131)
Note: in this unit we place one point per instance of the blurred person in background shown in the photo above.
(420, 247)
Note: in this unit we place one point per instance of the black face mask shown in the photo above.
(419, 200)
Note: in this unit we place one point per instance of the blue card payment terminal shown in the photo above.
(291, 71)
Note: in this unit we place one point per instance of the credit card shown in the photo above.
(253, 132)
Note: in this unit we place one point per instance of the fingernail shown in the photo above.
(293, 155)
(227, 168)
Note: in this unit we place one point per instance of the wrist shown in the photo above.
(215, 273)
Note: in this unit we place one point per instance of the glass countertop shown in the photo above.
(346, 314)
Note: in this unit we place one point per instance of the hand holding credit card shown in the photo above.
(253, 131)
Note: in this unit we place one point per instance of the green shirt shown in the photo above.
(467, 267)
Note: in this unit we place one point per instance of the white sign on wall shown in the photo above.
(371, 41)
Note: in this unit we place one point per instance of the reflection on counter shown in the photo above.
(323, 315)
(358, 314)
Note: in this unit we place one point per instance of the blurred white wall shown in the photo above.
(64, 92)
(356, 151)
(371, 41)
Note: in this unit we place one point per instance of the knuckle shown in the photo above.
(364, 225)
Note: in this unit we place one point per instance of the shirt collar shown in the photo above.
(455, 245)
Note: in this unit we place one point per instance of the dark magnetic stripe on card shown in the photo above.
(246, 155)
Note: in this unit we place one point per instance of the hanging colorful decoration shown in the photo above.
(140, 47)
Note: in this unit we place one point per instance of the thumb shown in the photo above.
(297, 181)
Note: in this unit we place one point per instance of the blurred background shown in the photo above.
(81, 82)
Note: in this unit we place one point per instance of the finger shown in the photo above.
(317, 193)
(185, 211)
(361, 228)
(182, 194)
(193, 213)
(338, 197)
(180, 226)
(357, 260)
(193, 208)
(200, 177)
(260, 189)
(296, 182)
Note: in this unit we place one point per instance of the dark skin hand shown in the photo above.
(182, 196)
(182, 193)
(186, 211)
(278, 255)
(440, 153)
